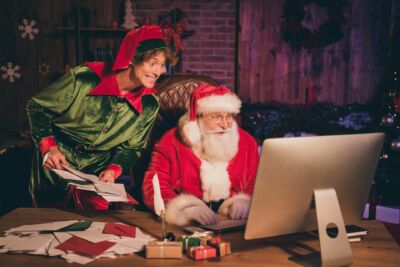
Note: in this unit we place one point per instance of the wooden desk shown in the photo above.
(378, 249)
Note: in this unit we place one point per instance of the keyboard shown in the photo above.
(225, 225)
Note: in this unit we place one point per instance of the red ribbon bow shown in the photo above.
(175, 33)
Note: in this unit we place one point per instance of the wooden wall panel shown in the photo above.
(210, 50)
(341, 73)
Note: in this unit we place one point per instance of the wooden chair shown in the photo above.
(173, 94)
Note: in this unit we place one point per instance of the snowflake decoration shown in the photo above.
(28, 29)
(10, 72)
(44, 68)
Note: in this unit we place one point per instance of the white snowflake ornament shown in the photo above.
(10, 72)
(28, 29)
(44, 68)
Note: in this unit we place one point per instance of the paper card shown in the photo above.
(138, 244)
(98, 226)
(42, 250)
(61, 236)
(41, 227)
(141, 235)
(94, 236)
(84, 247)
(52, 251)
(85, 176)
(122, 249)
(5, 240)
(113, 198)
(67, 175)
(111, 188)
(29, 243)
(120, 229)
(86, 187)
(78, 226)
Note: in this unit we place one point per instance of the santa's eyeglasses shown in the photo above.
(219, 117)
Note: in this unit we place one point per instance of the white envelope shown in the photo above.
(41, 227)
(94, 236)
(29, 243)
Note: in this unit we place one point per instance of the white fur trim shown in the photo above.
(215, 181)
(225, 206)
(174, 209)
(219, 103)
(189, 131)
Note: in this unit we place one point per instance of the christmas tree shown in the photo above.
(129, 18)
(387, 180)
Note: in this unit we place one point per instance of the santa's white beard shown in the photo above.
(217, 147)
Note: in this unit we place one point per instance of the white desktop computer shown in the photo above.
(308, 183)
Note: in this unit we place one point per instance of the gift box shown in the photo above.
(214, 240)
(205, 239)
(188, 241)
(164, 250)
(201, 252)
(223, 248)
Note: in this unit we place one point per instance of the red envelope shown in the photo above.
(84, 247)
(132, 200)
(119, 229)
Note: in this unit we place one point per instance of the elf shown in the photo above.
(96, 118)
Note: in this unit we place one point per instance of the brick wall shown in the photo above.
(211, 49)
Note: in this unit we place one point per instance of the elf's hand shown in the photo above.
(107, 176)
(54, 159)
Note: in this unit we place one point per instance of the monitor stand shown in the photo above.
(335, 251)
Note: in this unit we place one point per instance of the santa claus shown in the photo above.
(205, 161)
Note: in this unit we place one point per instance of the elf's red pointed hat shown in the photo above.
(207, 98)
(138, 40)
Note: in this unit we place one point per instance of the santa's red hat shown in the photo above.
(138, 41)
(206, 99)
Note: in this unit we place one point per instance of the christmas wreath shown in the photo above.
(300, 37)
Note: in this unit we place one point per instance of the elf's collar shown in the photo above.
(108, 86)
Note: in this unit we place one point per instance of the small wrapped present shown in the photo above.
(214, 240)
(188, 241)
(164, 250)
(204, 239)
(223, 248)
(201, 252)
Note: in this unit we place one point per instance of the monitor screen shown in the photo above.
(291, 169)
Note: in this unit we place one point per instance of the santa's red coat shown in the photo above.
(178, 170)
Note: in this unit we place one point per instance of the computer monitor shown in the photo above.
(305, 183)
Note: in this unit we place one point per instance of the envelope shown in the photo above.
(120, 229)
(84, 247)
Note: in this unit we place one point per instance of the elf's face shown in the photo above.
(150, 70)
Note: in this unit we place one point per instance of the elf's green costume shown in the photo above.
(93, 125)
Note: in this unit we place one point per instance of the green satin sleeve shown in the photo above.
(48, 104)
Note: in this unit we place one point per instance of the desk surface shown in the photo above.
(379, 249)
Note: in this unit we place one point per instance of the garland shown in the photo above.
(300, 37)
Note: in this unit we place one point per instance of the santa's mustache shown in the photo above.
(221, 131)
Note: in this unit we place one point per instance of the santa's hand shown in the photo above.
(239, 209)
(107, 176)
(201, 213)
(54, 159)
